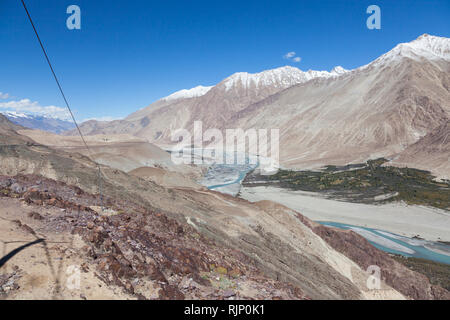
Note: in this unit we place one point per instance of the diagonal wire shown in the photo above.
(64, 97)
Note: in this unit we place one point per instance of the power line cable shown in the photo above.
(64, 97)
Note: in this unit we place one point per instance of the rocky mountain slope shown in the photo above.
(375, 111)
(8, 132)
(159, 242)
(431, 151)
(131, 253)
(124, 152)
(212, 105)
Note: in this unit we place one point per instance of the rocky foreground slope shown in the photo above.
(159, 242)
(127, 252)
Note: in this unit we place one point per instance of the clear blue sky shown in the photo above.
(130, 53)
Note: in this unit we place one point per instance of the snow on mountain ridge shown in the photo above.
(46, 123)
(339, 70)
(425, 46)
(428, 46)
(283, 77)
(438, 46)
(188, 93)
(14, 114)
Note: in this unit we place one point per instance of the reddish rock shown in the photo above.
(169, 292)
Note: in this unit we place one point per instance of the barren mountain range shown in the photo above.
(140, 227)
(337, 117)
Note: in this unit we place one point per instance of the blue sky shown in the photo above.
(130, 53)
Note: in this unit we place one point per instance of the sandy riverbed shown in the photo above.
(428, 223)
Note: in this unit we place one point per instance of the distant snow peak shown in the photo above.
(425, 46)
(14, 114)
(339, 70)
(282, 77)
(40, 122)
(188, 93)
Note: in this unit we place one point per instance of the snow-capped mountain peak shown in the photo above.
(424, 47)
(426, 44)
(15, 115)
(38, 122)
(282, 77)
(188, 93)
(339, 70)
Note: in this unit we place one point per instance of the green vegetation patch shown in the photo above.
(370, 182)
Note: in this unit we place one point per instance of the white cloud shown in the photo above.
(32, 107)
(4, 95)
(289, 55)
